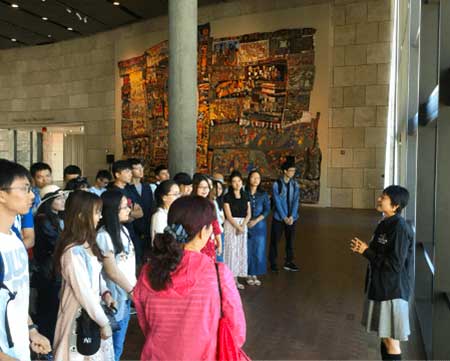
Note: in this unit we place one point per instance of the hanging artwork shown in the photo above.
(254, 94)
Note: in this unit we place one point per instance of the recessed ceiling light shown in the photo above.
(49, 35)
(70, 29)
(13, 40)
(44, 18)
(15, 6)
(116, 3)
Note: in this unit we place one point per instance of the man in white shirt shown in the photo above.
(17, 331)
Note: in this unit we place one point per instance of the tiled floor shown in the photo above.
(315, 313)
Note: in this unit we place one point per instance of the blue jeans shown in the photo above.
(119, 335)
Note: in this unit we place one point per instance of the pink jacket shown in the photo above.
(180, 323)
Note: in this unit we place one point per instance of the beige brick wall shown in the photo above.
(359, 100)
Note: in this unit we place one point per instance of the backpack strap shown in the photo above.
(12, 296)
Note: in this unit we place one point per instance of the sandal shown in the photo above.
(256, 282)
(250, 281)
(240, 286)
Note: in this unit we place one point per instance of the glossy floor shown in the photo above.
(315, 313)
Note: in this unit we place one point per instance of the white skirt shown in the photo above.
(235, 249)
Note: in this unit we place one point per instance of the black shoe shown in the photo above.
(290, 266)
(274, 268)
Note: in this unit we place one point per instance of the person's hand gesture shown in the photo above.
(39, 343)
(106, 332)
(358, 246)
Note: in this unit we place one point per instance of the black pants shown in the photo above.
(275, 235)
(47, 307)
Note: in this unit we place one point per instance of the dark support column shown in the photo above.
(182, 85)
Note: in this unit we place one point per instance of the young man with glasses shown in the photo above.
(286, 200)
(17, 331)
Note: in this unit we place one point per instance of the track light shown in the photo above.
(116, 3)
(69, 10)
(70, 29)
(44, 18)
(14, 5)
(13, 40)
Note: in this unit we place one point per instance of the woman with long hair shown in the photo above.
(218, 202)
(238, 213)
(48, 225)
(202, 188)
(178, 292)
(257, 228)
(78, 259)
(119, 260)
(165, 194)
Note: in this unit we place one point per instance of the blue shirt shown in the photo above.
(286, 203)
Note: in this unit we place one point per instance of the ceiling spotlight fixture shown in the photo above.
(116, 3)
(14, 5)
(85, 19)
(78, 16)
(13, 40)
(69, 10)
(44, 18)
(49, 35)
(70, 29)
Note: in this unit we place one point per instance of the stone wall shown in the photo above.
(359, 101)
(67, 82)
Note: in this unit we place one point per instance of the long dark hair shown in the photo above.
(110, 217)
(196, 182)
(193, 213)
(45, 212)
(162, 190)
(79, 225)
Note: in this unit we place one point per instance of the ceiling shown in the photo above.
(37, 22)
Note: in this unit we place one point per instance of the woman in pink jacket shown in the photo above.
(177, 296)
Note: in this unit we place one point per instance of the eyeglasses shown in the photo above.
(25, 189)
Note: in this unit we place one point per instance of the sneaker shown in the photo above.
(250, 281)
(274, 268)
(290, 266)
(256, 281)
(132, 311)
(240, 286)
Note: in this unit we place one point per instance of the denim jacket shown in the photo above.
(281, 202)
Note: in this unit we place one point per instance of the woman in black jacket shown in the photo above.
(48, 226)
(390, 273)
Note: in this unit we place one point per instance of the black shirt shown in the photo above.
(390, 253)
(239, 206)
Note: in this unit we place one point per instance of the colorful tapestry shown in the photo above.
(254, 96)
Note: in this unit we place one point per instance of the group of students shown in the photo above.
(192, 238)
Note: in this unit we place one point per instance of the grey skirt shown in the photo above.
(387, 318)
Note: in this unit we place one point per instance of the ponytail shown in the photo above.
(164, 259)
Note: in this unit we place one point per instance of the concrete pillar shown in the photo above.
(182, 85)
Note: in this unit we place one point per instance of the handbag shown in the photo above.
(88, 335)
(227, 349)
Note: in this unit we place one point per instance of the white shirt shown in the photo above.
(16, 278)
(159, 222)
(126, 263)
(97, 191)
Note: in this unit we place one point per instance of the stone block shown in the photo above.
(339, 15)
(344, 75)
(379, 53)
(373, 178)
(355, 55)
(342, 117)
(381, 157)
(99, 127)
(363, 198)
(352, 178)
(341, 198)
(383, 73)
(334, 177)
(385, 31)
(335, 138)
(354, 96)
(379, 10)
(382, 116)
(353, 137)
(365, 116)
(341, 158)
(356, 13)
(79, 101)
(18, 105)
(377, 95)
(375, 137)
(367, 33)
(364, 158)
(366, 74)
(339, 56)
(337, 97)
(344, 35)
